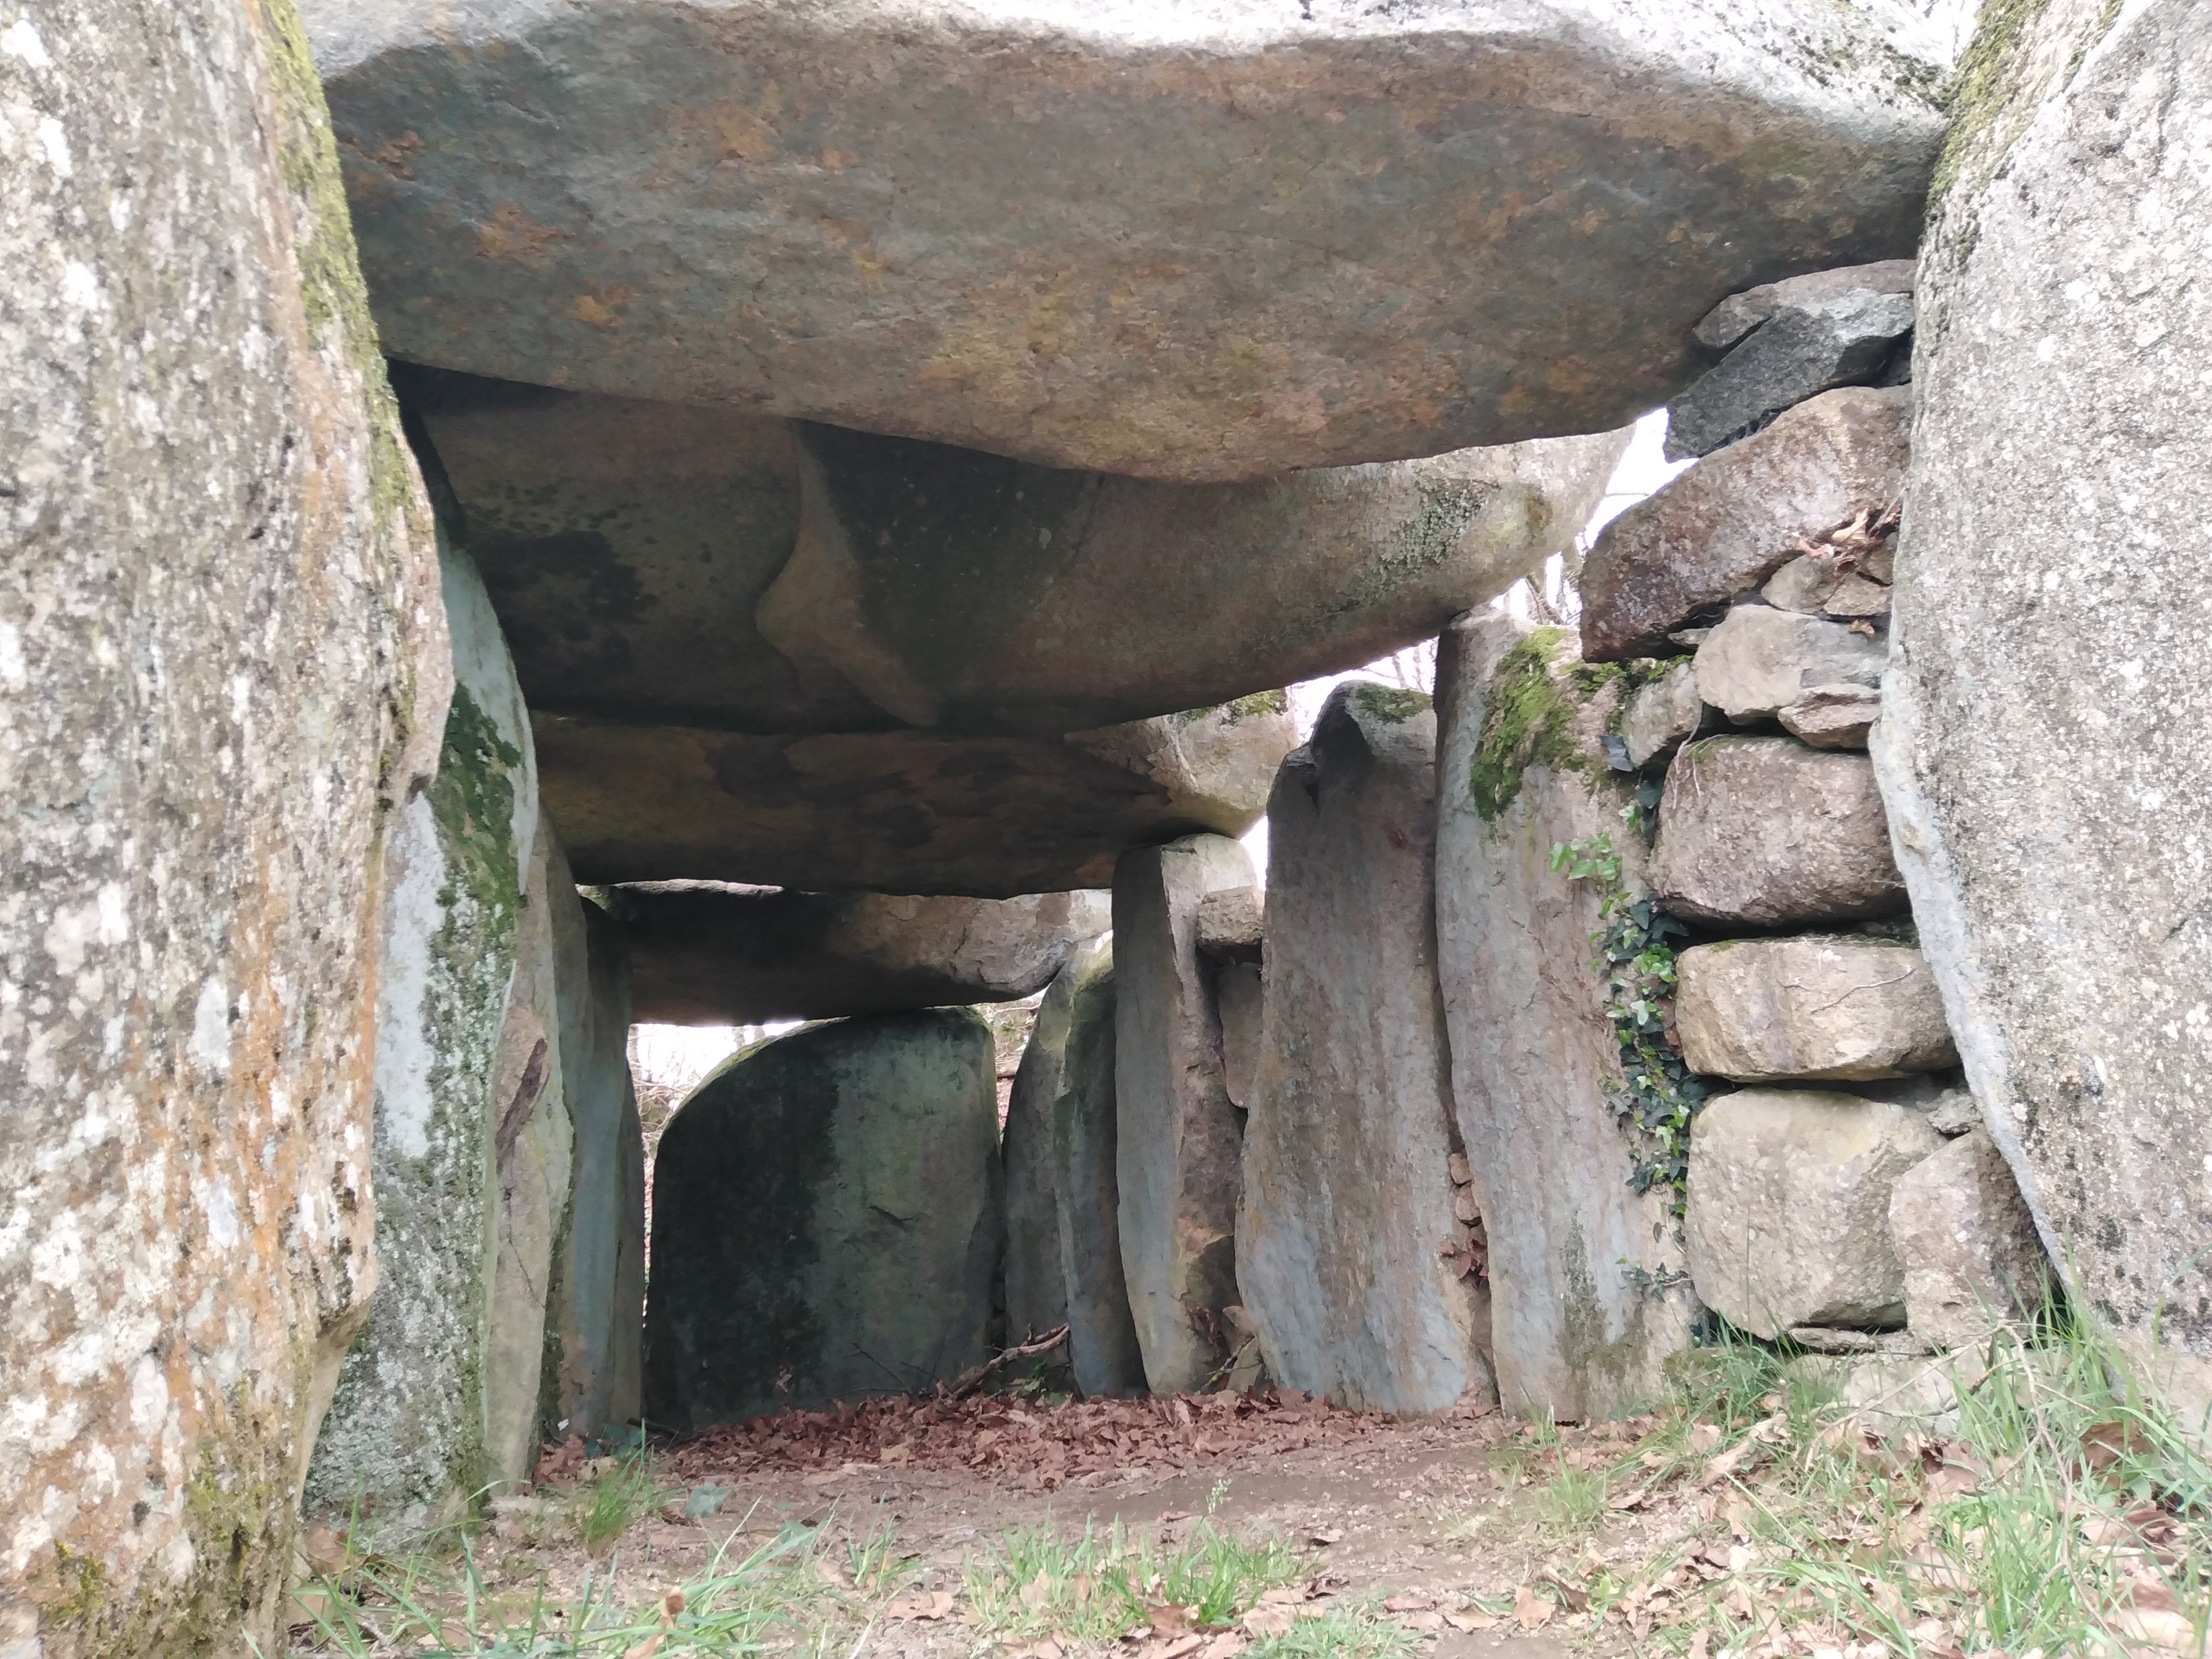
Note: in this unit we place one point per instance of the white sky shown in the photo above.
(681, 1054)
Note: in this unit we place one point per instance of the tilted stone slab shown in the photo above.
(1199, 243)
(1727, 523)
(1764, 832)
(1809, 346)
(707, 953)
(221, 667)
(1178, 1137)
(1347, 1211)
(1832, 1007)
(596, 1316)
(900, 811)
(2040, 743)
(407, 1433)
(1788, 1221)
(1970, 1256)
(826, 1218)
(1533, 1055)
(958, 589)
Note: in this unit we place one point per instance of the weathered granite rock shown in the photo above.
(626, 544)
(1233, 924)
(1533, 1055)
(1972, 1259)
(1955, 1113)
(1347, 1210)
(1839, 716)
(915, 812)
(533, 1160)
(1036, 1274)
(407, 1431)
(1661, 714)
(2040, 745)
(1788, 1221)
(596, 1316)
(1733, 519)
(705, 953)
(826, 1211)
(1766, 832)
(1224, 243)
(964, 591)
(1102, 1338)
(1240, 1002)
(1178, 1137)
(1760, 661)
(220, 666)
(1809, 346)
(1737, 315)
(1833, 1007)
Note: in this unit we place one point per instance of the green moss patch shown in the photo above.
(1391, 703)
(1529, 718)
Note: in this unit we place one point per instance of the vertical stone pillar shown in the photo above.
(1345, 1238)
(222, 667)
(1037, 1277)
(2041, 748)
(1178, 1138)
(1582, 1314)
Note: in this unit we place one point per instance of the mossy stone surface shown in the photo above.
(827, 1217)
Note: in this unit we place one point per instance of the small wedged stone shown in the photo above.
(1808, 347)
(1835, 1339)
(1233, 924)
(1760, 661)
(1346, 1215)
(1726, 526)
(1838, 1007)
(1737, 315)
(1803, 584)
(1788, 1218)
(1662, 714)
(1178, 1139)
(826, 1220)
(708, 953)
(1972, 1259)
(1855, 596)
(1766, 832)
(1834, 716)
(1955, 1112)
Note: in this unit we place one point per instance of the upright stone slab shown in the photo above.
(826, 1220)
(1346, 1221)
(1179, 1138)
(406, 1433)
(533, 1155)
(1036, 1277)
(222, 666)
(1533, 1055)
(2041, 744)
(595, 1322)
(1102, 1337)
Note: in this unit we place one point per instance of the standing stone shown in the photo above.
(1788, 1221)
(406, 1433)
(1764, 832)
(1971, 1260)
(1533, 1055)
(1346, 1214)
(1102, 1338)
(826, 1220)
(1037, 1277)
(1222, 241)
(2041, 746)
(1178, 1138)
(712, 953)
(1835, 1007)
(1733, 519)
(533, 1156)
(595, 1324)
(222, 666)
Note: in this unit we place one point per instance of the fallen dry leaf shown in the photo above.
(926, 1604)
(1473, 1619)
(1530, 1611)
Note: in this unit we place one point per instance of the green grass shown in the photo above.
(607, 1508)
(1573, 1502)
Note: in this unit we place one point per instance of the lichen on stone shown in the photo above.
(1531, 708)
(1391, 703)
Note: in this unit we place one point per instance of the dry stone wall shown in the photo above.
(222, 669)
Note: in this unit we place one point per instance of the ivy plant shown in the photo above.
(1634, 959)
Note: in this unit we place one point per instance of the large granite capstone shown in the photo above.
(1208, 242)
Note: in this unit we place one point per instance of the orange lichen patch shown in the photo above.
(510, 234)
(604, 310)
